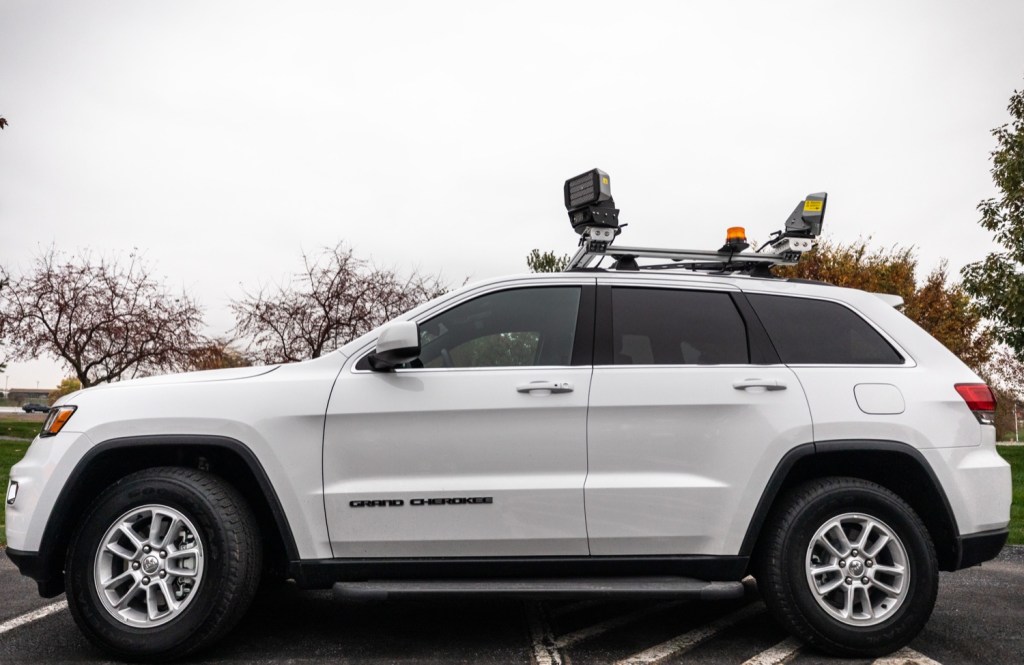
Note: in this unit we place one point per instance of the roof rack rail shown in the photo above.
(593, 215)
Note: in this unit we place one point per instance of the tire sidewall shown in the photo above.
(916, 606)
(83, 598)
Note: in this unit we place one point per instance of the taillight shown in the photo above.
(980, 401)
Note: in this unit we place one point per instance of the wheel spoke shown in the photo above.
(152, 603)
(879, 545)
(127, 597)
(116, 581)
(889, 570)
(130, 534)
(892, 591)
(154, 528)
(862, 542)
(843, 539)
(171, 534)
(186, 552)
(865, 601)
(118, 550)
(824, 542)
(165, 591)
(829, 587)
(181, 572)
(848, 601)
(827, 568)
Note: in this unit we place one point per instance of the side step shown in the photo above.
(679, 588)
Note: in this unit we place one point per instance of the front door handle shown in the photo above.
(544, 387)
(759, 384)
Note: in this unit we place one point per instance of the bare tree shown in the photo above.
(334, 299)
(105, 320)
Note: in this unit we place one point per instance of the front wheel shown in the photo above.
(165, 562)
(847, 566)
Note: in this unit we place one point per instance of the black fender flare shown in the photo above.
(821, 448)
(48, 571)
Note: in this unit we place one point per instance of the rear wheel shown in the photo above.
(847, 566)
(165, 562)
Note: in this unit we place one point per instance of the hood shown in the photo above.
(230, 374)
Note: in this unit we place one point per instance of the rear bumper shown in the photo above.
(978, 547)
(31, 564)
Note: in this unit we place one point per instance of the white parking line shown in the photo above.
(906, 656)
(544, 650)
(34, 615)
(779, 653)
(598, 628)
(687, 641)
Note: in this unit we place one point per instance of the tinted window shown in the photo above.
(671, 327)
(516, 328)
(806, 331)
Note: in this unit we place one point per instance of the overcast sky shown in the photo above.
(222, 139)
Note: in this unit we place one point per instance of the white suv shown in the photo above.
(596, 432)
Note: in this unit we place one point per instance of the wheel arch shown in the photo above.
(113, 459)
(899, 467)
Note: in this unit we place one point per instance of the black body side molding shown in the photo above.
(324, 573)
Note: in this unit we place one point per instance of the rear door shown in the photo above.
(690, 411)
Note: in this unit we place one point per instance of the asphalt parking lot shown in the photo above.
(978, 619)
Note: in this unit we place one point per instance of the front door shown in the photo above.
(479, 447)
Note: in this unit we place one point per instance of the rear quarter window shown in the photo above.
(819, 332)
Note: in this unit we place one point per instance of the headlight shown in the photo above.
(59, 416)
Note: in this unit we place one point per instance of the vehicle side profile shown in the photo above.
(629, 430)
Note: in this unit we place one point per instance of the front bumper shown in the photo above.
(32, 564)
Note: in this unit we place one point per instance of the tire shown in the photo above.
(889, 606)
(185, 592)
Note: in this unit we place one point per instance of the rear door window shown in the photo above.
(676, 327)
(819, 332)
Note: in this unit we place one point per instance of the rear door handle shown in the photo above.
(762, 384)
(544, 387)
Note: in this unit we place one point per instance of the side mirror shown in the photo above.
(398, 343)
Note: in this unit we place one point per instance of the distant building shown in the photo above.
(28, 394)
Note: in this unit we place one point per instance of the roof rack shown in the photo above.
(593, 215)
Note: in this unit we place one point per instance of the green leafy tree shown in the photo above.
(997, 282)
(66, 387)
(546, 262)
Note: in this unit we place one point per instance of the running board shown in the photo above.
(679, 588)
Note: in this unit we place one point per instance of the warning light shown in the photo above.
(735, 239)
